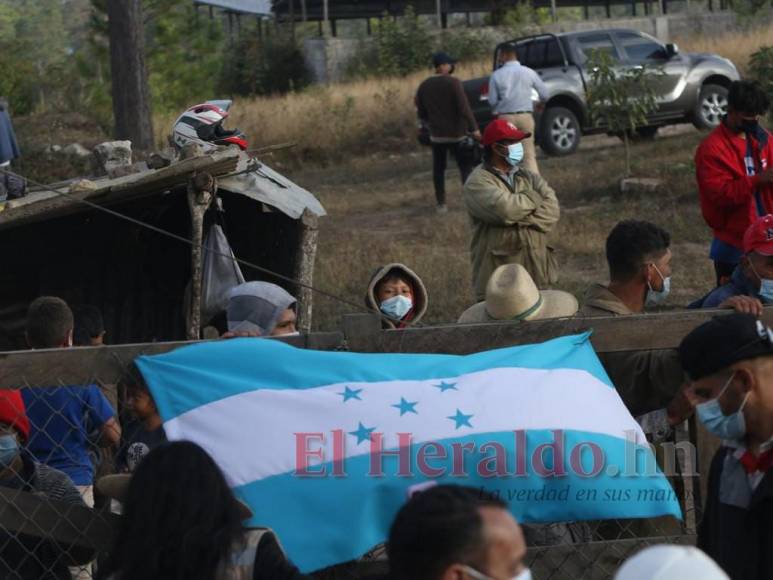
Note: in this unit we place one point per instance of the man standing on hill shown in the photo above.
(509, 93)
(442, 106)
(734, 175)
(512, 211)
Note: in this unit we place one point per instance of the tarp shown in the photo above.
(266, 185)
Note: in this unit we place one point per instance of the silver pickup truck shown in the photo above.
(692, 88)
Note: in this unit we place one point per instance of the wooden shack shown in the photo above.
(141, 278)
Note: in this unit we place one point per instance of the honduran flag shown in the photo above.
(326, 446)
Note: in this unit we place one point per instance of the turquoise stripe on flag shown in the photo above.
(343, 517)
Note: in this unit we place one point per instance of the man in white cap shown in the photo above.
(260, 309)
(511, 294)
(666, 562)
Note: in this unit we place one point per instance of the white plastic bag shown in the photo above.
(220, 273)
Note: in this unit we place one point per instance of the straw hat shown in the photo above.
(117, 486)
(511, 294)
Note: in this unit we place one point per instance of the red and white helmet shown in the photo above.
(203, 124)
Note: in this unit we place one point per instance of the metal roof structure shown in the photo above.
(253, 7)
(256, 181)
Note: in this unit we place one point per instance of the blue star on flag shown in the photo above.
(406, 406)
(461, 419)
(444, 386)
(351, 394)
(362, 433)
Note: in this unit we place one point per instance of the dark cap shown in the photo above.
(442, 58)
(723, 341)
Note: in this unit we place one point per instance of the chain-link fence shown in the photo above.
(54, 524)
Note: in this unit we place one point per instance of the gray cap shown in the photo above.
(257, 306)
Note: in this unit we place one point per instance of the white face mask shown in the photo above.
(655, 297)
(524, 574)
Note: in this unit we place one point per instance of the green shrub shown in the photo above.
(761, 69)
(402, 46)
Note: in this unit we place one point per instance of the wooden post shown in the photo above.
(304, 267)
(201, 192)
(130, 90)
(553, 11)
(304, 12)
(609, 9)
(291, 16)
(325, 17)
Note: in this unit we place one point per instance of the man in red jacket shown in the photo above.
(733, 168)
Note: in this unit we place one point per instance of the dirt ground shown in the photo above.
(381, 209)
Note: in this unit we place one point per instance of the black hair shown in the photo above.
(437, 528)
(748, 97)
(49, 320)
(180, 519)
(631, 244)
(88, 324)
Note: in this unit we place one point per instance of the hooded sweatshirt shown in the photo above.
(419, 291)
(257, 306)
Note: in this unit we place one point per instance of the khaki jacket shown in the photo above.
(510, 225)
(645, 380)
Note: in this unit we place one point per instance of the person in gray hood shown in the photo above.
(398, 293)
(260, 309)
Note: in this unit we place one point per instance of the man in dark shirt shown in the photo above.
(443, 108)
(730, 363)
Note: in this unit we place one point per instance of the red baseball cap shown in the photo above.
(13, 413)
(759, 236)
(502, 130)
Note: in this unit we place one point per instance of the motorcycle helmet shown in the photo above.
(203, 124)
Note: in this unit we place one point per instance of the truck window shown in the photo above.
(540, 53)
(639, 48)
(587, 43)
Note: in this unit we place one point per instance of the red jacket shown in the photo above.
(726, 192)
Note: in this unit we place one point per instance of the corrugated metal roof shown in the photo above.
(256, 181)
(257, 7)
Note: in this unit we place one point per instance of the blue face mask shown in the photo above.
(730, 427)
(514, 154)
(396, 307)
(655, 297)
(766, 285)
(9, 450)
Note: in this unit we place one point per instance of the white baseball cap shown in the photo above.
(669, 562)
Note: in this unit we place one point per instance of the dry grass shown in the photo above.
(329, 123)
(737, 46)
(382, 210)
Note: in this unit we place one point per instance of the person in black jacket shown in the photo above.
(181, 520)
(730, 363)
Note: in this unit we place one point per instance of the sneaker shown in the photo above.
(442, 208)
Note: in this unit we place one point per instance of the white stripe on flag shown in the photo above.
(252, 435)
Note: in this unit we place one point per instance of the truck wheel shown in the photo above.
(560, 131)
(711, 107)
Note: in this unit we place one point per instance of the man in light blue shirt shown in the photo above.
(510, 97)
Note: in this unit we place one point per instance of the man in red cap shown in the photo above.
(512, 210)
(752, 280)
(23, 556)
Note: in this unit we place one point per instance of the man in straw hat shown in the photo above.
(511, 294)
